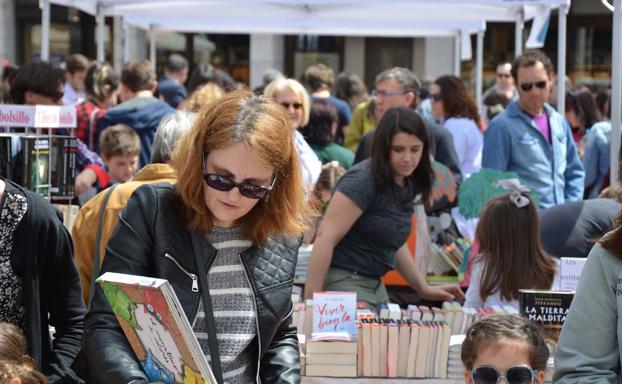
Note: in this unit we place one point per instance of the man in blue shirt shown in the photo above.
(532, 139)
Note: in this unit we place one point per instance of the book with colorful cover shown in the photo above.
(157, 328)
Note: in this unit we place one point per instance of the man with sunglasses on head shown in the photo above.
(532, 139)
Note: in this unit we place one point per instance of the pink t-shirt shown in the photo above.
(542, 122)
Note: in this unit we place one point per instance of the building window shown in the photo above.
(304, 50)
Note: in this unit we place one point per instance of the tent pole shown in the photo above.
(479, 69)
(101, 23)
(616, 92)
(118, 43)
(45, 29)
(152, 45)
(457, 54)
(561, 60)
(126, 43)
(518, 33)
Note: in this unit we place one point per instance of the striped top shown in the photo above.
(234, 309)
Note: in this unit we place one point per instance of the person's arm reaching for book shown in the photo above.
(406, 266)
(588, 350)
(341, 214)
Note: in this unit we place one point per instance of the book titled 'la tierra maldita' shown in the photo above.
(548, 309)
(157, 329)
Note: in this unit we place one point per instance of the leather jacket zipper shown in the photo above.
(195, 280)
(248, 280)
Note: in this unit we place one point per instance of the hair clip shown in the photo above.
(517, 190)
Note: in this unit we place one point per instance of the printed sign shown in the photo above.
(334, 312)
(570, 272)
(40, 116)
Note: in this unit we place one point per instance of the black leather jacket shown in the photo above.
(151, 240)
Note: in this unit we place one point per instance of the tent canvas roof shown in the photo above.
(322, 17)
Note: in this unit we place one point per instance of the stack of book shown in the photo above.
(448, 259)
(455, 368)
(331, 358)
(300, 274)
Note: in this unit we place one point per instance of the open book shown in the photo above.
(157, 328)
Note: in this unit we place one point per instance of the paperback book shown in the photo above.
(547, 309)
(157, 328)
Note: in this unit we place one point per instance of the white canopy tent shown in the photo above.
(410, 18)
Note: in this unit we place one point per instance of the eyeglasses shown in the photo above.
(54, 95)
(435, 97)
(225, 184)
(377, 93)
(527, 86)
(504, 75)
(296, 106)
(487, 374)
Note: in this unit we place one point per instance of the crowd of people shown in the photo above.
(197, 180)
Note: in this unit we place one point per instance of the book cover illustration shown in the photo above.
(156, 328)
(547, 309)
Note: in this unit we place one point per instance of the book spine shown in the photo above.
(70, 170)
(24, 161)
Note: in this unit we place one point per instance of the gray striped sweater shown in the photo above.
(234, 308)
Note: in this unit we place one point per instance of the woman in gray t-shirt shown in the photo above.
(363, 234)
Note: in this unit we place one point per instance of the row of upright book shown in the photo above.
(43, 164)
(394, 342)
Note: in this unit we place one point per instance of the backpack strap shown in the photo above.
(96, 257)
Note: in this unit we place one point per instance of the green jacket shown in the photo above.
(589, 349)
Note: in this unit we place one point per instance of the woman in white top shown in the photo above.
(294, 98)
(511, 255)
(452, 104)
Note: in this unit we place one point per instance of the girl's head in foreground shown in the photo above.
(238, 166)
(507, 345)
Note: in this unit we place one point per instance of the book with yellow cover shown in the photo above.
(157, 328)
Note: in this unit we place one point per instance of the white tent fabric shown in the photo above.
(306, 15)
(321, 17)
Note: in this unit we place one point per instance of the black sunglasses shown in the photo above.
(225, 184)
(435, 97)
(487, 374)
(527, 86)
(295, 105)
